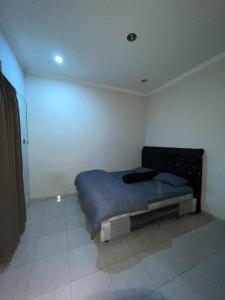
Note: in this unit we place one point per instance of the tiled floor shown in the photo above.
(171, 259)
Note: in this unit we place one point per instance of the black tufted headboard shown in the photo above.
(183, 162)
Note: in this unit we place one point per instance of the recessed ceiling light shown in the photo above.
(144, 80)
(58, 59)
(131, 37)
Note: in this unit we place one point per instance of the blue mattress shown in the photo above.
(103, 195)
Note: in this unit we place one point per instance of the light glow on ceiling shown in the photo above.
(58, 59)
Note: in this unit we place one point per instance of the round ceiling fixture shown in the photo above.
(144, 80)
(58, 59)
(131, 37)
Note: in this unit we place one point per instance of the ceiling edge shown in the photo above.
(188, 73)
(83, 82)
(14, 49)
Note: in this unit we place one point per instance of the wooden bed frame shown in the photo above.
(183, 162)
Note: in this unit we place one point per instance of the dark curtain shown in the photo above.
(12, 199)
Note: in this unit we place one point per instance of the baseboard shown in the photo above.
(52, 197)
(208, 214)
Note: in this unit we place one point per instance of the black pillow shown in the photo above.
(137, 177)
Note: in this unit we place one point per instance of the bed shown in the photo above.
(114, 207)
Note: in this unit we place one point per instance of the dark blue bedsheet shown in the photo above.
(103, 195)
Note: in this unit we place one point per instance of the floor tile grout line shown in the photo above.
(48, 292)
(157, 289)
(119, 260)
(71, 280)
(34, 260)
(182, 273)
(109, 274)
(71, 292)
(113, 285)
(86, 275)
(68, 256)
(29, 281)
(106, 268)
(20, 265)
(135, 255)
(32, 266)
(49, 256)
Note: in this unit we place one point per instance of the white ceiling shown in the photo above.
(174, 36)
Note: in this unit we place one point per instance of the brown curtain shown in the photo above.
(12, 200)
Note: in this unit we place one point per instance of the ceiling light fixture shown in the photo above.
(58, 59)
(131, 37)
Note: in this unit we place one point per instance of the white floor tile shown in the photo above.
(209, 279)
(71, 200)
(73, 210)
(179, 226)
(184, 256)
(137, 263)
(145, 238)
(14, 296)
(205, 240)
(49, 274)
(96, 286)
(52, 226)
(116, 250)
(35, 212)
(85, 260)
(63, 293)
(189, 239)
(53, 203)
(130, 280)
(24, 254)
(213, 236)
(155, 295)
(15, 280)
(219, 259)
(215, 230)
(51, 245)
(161, 267)
(31, 232)
(77, 238)
(181, 288)
(54, 213)
(76, 221)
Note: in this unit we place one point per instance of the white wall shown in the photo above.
(13, 72)
(75, 128)
(191, 113)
